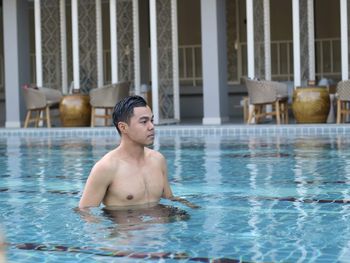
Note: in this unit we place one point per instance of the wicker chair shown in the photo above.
(105, 98)
(343, 100)
(39, 102)
(262, 93)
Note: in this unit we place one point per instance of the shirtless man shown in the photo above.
(132, 174)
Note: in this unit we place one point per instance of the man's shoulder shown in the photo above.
(155, 154)
(107, 162)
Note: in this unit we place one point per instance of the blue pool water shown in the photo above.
(263, 199)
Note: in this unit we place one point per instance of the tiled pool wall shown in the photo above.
(187, 130)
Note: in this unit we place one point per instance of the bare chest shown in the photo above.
(134, 186)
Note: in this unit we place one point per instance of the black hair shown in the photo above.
(124, 109)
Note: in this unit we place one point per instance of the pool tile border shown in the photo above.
(187, 130)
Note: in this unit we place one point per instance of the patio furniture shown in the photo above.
(104, 99)
(245, 104)
(263, 93)
(39, 102)
(343, 100)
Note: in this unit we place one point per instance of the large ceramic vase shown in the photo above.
(75, 110)
(311, 104)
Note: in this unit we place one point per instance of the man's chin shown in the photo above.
(150, 143)
(150, 140)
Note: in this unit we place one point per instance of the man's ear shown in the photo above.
(122, 126)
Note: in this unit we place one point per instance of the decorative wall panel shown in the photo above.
(2, 73)
(259, 38)
(348, 17)
(50, 36)
(165, 59)
(125, 40)
(232, 41)
(304, 47)
(87, 44)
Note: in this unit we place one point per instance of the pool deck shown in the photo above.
(188, 130)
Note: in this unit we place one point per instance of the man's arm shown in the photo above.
(86, 214)
(184, 201)
(95, 187)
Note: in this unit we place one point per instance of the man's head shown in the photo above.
(124, 109)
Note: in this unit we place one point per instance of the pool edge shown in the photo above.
(188, 130)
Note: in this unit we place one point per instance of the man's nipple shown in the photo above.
(129, 197)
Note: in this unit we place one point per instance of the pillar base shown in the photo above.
(13, 124)
(214, 120)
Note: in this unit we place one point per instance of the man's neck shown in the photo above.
(132, 150)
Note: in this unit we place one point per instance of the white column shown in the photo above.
(154, 59)
(136, 31)
(344, 39)
(214, 57)
(175, 45)
(99, 44)
(114, 41)
(63, 31)
(311, 39)
(250, 41)
(75, 39)
(296, 43)
(250, 38)
(267, 39)
(16, 59)
(38, 47)
(267, 45)
(237, 45)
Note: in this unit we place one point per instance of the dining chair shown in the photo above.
(343, 99)
(104, 99)
(262, 93)
(39, 102)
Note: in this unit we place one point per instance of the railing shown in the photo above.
(327, 51)
(328, 60)
(190, 64)
(281, 59)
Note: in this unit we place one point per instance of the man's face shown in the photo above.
(141, 127)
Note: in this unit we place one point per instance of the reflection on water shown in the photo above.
(158, 214)
(133, 227)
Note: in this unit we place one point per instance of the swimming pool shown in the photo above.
(266, 196)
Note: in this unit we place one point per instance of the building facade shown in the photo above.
(192, 54)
